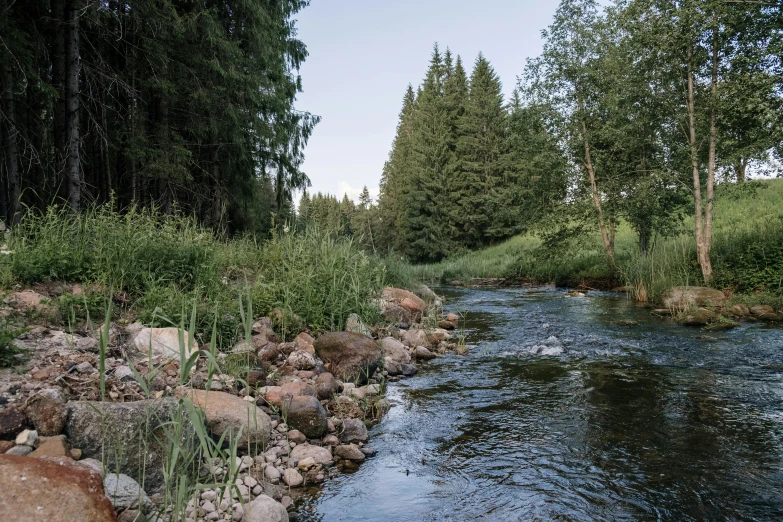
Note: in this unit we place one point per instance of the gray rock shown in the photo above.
(325, 386)
(265, 509)
(131, 437)
(20, 451)
(409, 370)
(125, 493)
(321, 455)
(301, 360)
(353, 430)
(395, 350)
(354, 324)
(349, 452)
(424, 354)
(351, 356)
(305, 414)
(124, 374)
(27, 437)
(85, 368)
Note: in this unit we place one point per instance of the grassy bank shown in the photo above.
(747, 253)
(153, 266)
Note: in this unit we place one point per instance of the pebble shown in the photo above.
(208, 506)
(27, 437)
(210, 495)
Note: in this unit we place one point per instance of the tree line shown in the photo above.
(187, 106)
(632, 113)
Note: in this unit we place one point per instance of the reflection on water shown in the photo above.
(646, 422)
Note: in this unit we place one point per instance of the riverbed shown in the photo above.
(620, 421)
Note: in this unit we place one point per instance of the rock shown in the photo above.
(306, 464)
(351, 356)
(395, 349)
(423, 353)
(256, 379)
(325, 386)
(226, 413)
(272, 474)
(85, 368)
(438, 335)
(397, 314)
(76, 453)
(453, 318)
(446, 325)
(415, 337)
(56, 446)
(124, 374)
(296, 436)
(39, 490)
(739, 310)
(267, 352)
(28, 300)
(27, 437)
(276, 394)
(321, 455)
(305, 414)
(353, 430)
(6, 445)
(764, 312)
(354, 324)
(398, 296)
(303, 341)
(164, 343)
(331, 440)
(20, 451)
(125, 493)
(292, 478)
(287, 502)
(409, 370)
(699, 317)
(265, 509)
(143, 428)
(391, 366)
(686, 297)
(301, 360)
(47, 412)
(415, 306)
(349, 452)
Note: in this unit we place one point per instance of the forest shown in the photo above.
(179, 105)
(632, 114)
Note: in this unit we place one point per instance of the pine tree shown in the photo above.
(427, 228)
(483, 215)
(394, 181)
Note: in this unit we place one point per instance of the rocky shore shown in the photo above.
(78, 444)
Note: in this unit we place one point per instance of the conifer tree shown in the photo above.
(427, 229)
(483, 216)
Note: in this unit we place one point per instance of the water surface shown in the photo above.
(648, 422)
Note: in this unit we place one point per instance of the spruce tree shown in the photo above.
(427, 228)
(481, 187)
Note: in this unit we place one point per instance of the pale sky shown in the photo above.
(363, 55)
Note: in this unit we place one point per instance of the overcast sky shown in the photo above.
(363, 55)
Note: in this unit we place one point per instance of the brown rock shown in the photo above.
(325, 386)
(256, 378)
(699, 317)
(685, 297)
(349, 452)
(739, 310)
(268, 352)
(11, 422)
(56, 446)
(453, 318)
(76, 453)
(48, 412)
(397, 314)
(303, 340)
(226, 413)
(6, 445)
(764, 312)
(351, 356)
(38, 490)
(446, 325)
(296, 436)
(416, 307)
(305, 414)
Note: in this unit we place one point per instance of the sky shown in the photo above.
(363, 55)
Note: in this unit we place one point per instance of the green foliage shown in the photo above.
(9, 352)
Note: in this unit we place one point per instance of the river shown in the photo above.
(652, 421)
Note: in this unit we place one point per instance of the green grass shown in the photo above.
(747, 253)
(152, 265)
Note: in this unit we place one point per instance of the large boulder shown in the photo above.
(265, 509)
(38, 490)
(227, 414)
(48, 412)
(131, 437)
(685, 297)
(395, 350)
(351, 356)
(764, 312)
(164, 343)
(319, 454)
(306, 414)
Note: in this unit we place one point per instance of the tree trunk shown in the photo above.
(11, 198)
(740, 168)
(72, 164)
(707, 268)
(605, 235)
(702, 251)
(58, 82)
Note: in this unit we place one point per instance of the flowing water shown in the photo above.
(648, 422)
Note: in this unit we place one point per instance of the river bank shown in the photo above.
(633, 418)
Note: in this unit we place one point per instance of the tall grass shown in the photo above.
(155, 265)
(747, 253)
